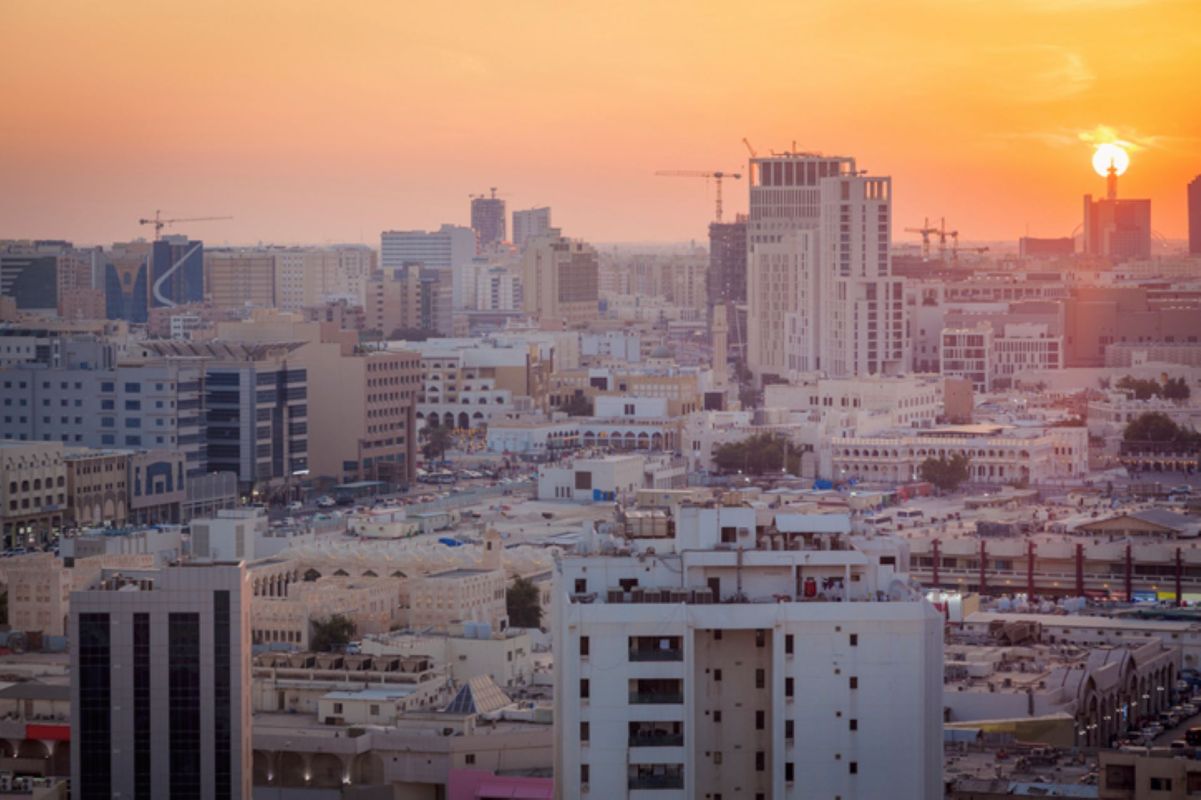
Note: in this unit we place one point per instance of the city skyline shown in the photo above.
(326, 126)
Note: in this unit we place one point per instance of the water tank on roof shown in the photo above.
(470, 629)
(483, 630)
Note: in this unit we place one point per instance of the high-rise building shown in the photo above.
(488, 220)
(1194, 216)
(820, 291)
(127, 281)
(747, 658)
(1117, 229)
(560, 283)
(530, 224)
(726, 281)
(451, 248)
(240, 278)
(177, 272)
(30, 277)
(310, 276)
(160, 684)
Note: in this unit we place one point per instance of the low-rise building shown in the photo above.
(33, 491)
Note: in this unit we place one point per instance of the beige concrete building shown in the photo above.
(560, 283)
(96, 486)
(361, 404)
(681, 390)
(371, 603)
(393, 302)
(239, 278)
(33, 491)
(441, 599)
(308, 276)
(39, 586)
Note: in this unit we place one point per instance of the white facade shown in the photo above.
(232, 535)
(451, 247)
(496, 289)
(799, 683)
(530, 224)
(588, 479)
(608, 406)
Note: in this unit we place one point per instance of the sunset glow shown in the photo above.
(316, 121)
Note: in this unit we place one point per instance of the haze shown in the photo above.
(314, 121)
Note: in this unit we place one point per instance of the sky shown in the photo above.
(315, 121)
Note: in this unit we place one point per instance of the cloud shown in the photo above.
(1039, 73)
(1129, 139)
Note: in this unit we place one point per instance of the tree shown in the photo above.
(578, 405)
(1155, 426)
(945, 473)
(1176, 389)
(758, 454)
(522, 604)
(331, 634)
(412, 334)
(1142, 389)
(437, 441)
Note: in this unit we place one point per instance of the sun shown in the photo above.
(1106, 154)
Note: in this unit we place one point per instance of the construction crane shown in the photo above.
(716, 175)
(749, 149)
(159, 223)
(926, 231)
(943, 234)
(955, 248)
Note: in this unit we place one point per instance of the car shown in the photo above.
(296, 505)
(1189, 709)
(1179, 744)
(325, 501)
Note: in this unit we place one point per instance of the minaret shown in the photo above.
(1111, 181)
(720, 344)
(492, 550)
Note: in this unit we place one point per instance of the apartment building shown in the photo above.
(96, 486)
(310, 276)
(160, 690)
(560, 281)
(749, 657)
(240, 278)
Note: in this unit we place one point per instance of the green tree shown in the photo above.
(522, 604)
(1176, 389)
(438, 440)
(758, 454)
(945, 473)
(1155, 426)
(1142, 389)
(331, 634)
(578, 405)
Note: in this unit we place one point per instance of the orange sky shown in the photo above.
(326, 121)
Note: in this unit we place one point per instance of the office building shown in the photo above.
(560, 281)
(725, 283)
(497, 289)
(1194, 216)
(240, 278)
(127, 281)
(1117, 229)
(310, 276)
(749, 657)
(361, 404)
(440, 249)
(393, 302)
(530, 224)
(160, 684)
(30, 278)
(176, 272)
(1031, 247)
(488, 220)
(155, 405)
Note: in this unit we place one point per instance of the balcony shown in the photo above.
(671, 780)
(657, 655)
(658, 739)
(656, 648)
(656, 698)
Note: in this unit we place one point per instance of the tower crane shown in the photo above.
(749, 149)
(716, 175)
(926, 231)
(159, 223)
(943, 233)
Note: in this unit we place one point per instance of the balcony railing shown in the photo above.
(657, 740)
(657, 655)
(656, 782)
(655, 698)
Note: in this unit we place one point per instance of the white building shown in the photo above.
(748, 657)
(530, 224)
(592, 479)
(985, 355)
(451, 247)
(309, 276)
(160, 684)
(496, 289)
(820, 290)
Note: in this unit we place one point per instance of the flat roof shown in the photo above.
(390, 693)
(1082, 621)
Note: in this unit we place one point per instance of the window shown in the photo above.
(854, 640)
(581, 585)
(717, 757)
(789, 729)
(788, 687)
(337, 708)
(469, 758)
(584, 731)
(788, 772)
(760, 678)
(760, 637)
(583, 647)
(854, 682)
(583, 773)
(760, 761)
(760, 720)
(375, 711)
(853, 724)
(584, 688)
(853, 767)
(717, 674)
(717, 716)
(788, 644)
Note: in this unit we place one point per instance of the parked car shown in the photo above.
(325, 501)
(296, 505)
